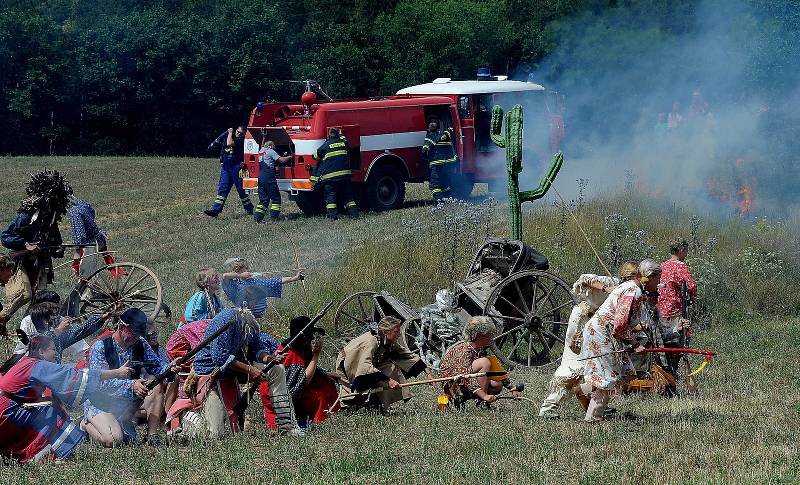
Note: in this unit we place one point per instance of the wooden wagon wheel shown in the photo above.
(421, 339)
(131, 284)
(531, 309)
(356, 314)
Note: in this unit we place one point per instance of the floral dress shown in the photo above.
(609, 330)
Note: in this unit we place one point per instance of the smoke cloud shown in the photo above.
(698, 106)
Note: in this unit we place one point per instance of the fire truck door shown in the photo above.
(353, 135)
(460, 132)
(467, 123)
(260, 134)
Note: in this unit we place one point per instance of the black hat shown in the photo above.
(136, 320)
(297, 324)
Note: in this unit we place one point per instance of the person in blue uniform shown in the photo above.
(231, 157)
(333, 174)
(269, 197)
(438, 150)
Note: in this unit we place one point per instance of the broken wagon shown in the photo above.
(507, 281)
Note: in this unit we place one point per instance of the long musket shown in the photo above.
(427, 381)
(244, 400)
(24, 252)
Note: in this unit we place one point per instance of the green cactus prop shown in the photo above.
(512, 142)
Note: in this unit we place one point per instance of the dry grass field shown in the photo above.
(741, 428)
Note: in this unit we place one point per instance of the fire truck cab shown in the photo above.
(386, 134)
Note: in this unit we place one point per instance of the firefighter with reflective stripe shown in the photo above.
(269, 197)
(440, 153)
(230, 159)
(334, 176)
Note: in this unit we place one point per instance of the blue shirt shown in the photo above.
(24, 229)
(269, 342)
(84, 227)
(272, 286)
(239, 341)
(151, 362)
(198, 307)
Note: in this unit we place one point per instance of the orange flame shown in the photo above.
(745, 203)
(741, 201)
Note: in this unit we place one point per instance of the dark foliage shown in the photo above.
(163, 77)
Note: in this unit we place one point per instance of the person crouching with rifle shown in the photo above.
(312, 389)
(233, 357)
(377, 360)
(111, 420)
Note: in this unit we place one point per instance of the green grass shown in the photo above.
(740, 429)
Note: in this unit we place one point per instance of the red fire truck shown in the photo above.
(386, 135)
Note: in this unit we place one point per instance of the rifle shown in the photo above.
(426, 381)
(167, 373)
(24, 252)
(241, 405)
(691, 385)
(685, 302)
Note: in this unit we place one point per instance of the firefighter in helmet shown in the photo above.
(333, 173)
(269, 196)
(231, 157)
(438, 150)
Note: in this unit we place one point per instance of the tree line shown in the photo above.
(165, 76)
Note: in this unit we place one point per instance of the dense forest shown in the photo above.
(164, 76)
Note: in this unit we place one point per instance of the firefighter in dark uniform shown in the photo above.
(269, 197)
(230, 159)
(440, 153)
(333, 174)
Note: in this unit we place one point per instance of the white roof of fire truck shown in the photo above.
(445, 85)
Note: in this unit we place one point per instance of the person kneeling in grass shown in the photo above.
(111, 420)
(34, 396)
(470, 356)
(379, 361)
(312, 390)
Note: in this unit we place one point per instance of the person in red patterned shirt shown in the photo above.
(470, 356)
(674, 272)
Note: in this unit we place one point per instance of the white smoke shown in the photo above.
(716, 149)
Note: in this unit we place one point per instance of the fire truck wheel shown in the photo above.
(309, 203)
(384, 189)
